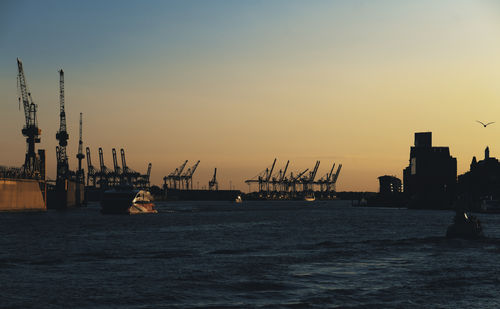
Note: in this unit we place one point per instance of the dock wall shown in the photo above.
(22, 195)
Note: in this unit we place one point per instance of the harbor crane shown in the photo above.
(117, 171)
(80, 175)
(91, 171)
(323, 182)
(188, 176)
(333, 182)
(175, 177)
(104, 173)
(308, 182)
(213, 184)
(143, 180)
(62, 136)
(295, 180)
(32, 163)
(263, 178)
(129, 174)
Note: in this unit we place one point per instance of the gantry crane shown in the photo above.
(143, 180)
(213, 184)
(62, 136)
(32, 163)
(91, 170)
(117, 171)
(187, 177)
(129, 174)
(332, 184)
(175, 177)
(80, 175)
(104, 172)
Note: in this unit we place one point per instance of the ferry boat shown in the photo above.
(465, 226)
(127, 200)
(309, 198)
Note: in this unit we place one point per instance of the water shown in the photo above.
(256, 254)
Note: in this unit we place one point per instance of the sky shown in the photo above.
(236, 84)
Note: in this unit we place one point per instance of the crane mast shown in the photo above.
(62, 135)
(32, 165)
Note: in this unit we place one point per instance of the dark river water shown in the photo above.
(254, 254)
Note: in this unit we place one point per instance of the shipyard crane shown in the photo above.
(188, 176)
(282, 177)
(80, 156)
(213, 184)
(91, 171)
(32, 165)
(143, 180)
(332, 184)
(323, 181)
(128, 173)
(62, 136)
(294, 180)
(175, 176)
(277, 179)
(308, 182)
(117, 171)
(104, 172)
(262, 178)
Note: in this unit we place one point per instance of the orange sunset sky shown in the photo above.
(236, 84)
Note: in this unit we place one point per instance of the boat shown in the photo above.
(238, 199)
(127, 200)
(309, 198)
(465, 226)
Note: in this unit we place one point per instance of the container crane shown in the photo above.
(295, 180)
(62, 136)
(332, 184)
(32, 164)
(188, 176)
(143, 180)
(104, 172)
(213, 184)
(175, 176)
(128, 173)
(117, 171)
(80, 174)
(91, 171)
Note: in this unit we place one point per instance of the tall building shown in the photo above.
(481, 182)
(431, 177)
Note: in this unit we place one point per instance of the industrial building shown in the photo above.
(431, 177)
(481, 182)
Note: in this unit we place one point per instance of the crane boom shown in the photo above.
(181, 168)
(271, 170)
(337, 174)
(284, 171)
(329, 176)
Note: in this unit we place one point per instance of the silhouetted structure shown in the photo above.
(389, 185)
(430, 179)
(481, 182)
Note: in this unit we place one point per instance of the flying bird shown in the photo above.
(485, 124)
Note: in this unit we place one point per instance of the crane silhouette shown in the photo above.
(485, 124)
